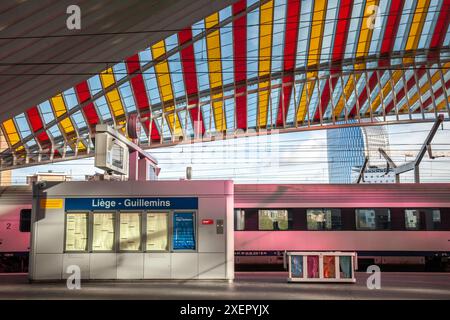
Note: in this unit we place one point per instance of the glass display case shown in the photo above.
(321, 266)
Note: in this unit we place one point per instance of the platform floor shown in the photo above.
(266, 285)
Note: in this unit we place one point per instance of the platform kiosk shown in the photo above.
(133, 230)
(321, 266)
(136, 229)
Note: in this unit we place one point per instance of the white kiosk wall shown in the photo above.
(133, 230)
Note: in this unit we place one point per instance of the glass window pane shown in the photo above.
(76, 231)
(22, 125)
(252, 43)
(103, 108)
(120, 71)
(318, 219)
(46, 111)
(404, 26)
(103, 232)
(152, 86)
(78, 118)
(278, 35)
(226, 47)
(354, 28)
(157, 232)
(201, 64)
(324, 219)
(171, 42)
(145, 57)
(422, 219)
(127, 97)
(436, 219)
(183, 231)
(365, 219)
(176, 74)
(273, 219)
(373, 219)
(70, 98)
(252, 102)
(239, 220)
(412, 219)
(94, 84)
(303, 35)
(130, 231)
(430, 219)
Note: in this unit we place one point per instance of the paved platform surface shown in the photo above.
(265, 285)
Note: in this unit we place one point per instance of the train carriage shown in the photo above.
(386, 224)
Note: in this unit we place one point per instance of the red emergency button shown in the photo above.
(207, 221)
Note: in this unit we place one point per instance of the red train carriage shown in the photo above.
(386, 224)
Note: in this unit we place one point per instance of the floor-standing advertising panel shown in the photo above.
(133, 230)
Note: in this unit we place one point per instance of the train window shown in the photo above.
(239, 219)
(373, 219)
(324, 219)
(422, 219)
(130, 231)
(273, 219)
(103, 232)
(157, 231)
(76, 232)
(436, 219)
(25, 220)
(412, 219)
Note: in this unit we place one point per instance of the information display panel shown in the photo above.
(345, 267)
(313, 266)
(183, 231)
(157, 231)
(130, 231)
(76, 231)
(297, 266)
(103, 232)
(329, 267)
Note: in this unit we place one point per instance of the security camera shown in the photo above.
(42, 184)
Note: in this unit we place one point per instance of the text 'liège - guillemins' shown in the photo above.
(101, 203)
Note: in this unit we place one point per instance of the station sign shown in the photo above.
(143, 203)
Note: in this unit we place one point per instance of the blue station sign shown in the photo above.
(130, 203)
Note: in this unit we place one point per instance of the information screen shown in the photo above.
(183, 231)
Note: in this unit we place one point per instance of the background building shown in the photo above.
(347, 149)
(375, 137)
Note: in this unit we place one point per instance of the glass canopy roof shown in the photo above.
(253, 66)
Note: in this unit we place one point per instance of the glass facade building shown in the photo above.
(348, 147)
(345, 149)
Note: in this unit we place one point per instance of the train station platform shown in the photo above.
(247, 285)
